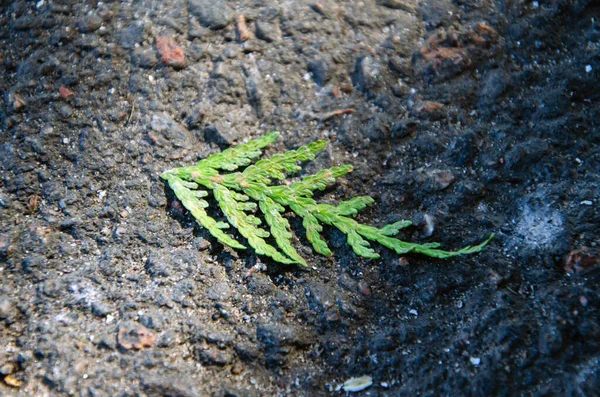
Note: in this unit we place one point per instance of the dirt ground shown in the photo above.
(479, 116)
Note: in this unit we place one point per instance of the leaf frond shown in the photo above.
(247, 224)
(280, 229)
(352, 206)
(196, 207)
(240, 155)
(394, 228)
(278, 165)
(320, 180)
(242, 195)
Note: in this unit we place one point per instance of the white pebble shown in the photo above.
(429, 225)
(357, 384)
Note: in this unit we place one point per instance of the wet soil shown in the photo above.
(478, 117)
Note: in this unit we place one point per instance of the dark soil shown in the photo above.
(481, 115)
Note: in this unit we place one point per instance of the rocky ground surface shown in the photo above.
(478, 117)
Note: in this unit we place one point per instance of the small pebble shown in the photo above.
(237, 368)
(171, 54)
(65, 93)
(133, 336)
(7, 369)
(429, 225)
(357, 384)
(12, 381)
(364, 288)
(65, 111)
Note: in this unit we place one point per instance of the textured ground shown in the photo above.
(480, 115)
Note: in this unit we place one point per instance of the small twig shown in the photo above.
(511, 290)
(319, 8)
(131, 113)
(335, 113)
(152, 138)
(398, 5)
(179, 156)
(259, 266)
(242, 28)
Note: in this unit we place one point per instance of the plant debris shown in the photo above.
(239, 194)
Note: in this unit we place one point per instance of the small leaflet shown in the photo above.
(357, 384)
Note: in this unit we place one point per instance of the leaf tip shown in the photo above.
(318, 145)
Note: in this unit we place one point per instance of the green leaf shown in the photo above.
(241, 155)
(313, 234)
(320, 180)
(429, 249)
(280, 228)
(276, 166)
(394, 228)
(200, 193)
(246, 224)
(196, 208)
(360, 246)
(352, 206)
(328, 214)
(243, 195)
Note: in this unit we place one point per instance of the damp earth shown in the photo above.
(466, 117)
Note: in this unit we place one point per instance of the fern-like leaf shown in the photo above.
(276, 166)
(394, 228)
(320, 180)
(352, 206)
(280, 228)
(242, 193)
(241, 155)
(196, 207)
(247, 224)
(305, 207)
